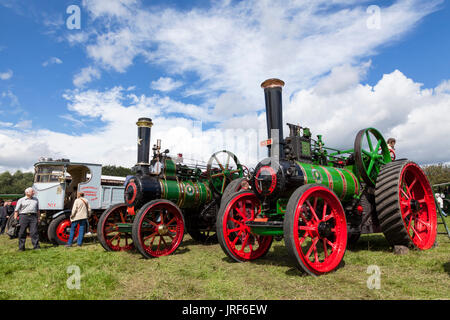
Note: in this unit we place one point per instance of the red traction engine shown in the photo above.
(320, 199)
(166, 198)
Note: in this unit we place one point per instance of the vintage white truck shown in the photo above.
(56, 183)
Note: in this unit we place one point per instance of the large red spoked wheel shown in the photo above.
(112, 228)
(315, 229)
(235, 237)
(405, 205)
(59, 230)
(158, 228)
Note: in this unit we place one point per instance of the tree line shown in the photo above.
(17, 182)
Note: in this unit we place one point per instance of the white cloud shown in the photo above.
(85, 76)
(444, 87)
(166, 84)
(228, 49)
(118, 111)
(397, 106)
(6, 75)
(231, 47)
(6, 124)
(24, 124)
(417, 117)
(239, 44)
(52, 60)
(9, 101)
(76, 122)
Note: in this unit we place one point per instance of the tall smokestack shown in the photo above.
(274, 111)
(143, 146)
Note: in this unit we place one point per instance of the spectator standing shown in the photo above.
(440, 201)
(79, 217)
(391, 143)
(3, 217)
(27, 211)
(9, 208)
(391, 146)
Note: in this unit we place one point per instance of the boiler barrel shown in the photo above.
(186, 194)
(341, 180)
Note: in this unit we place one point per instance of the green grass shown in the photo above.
(204, 272)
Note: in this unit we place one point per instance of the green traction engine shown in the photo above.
(165, 198)
(320, 199)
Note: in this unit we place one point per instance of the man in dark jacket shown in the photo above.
(3, 216)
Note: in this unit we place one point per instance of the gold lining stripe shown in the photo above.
(305, 177)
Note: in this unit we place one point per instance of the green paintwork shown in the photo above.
(268, 231)
(125, 227)
(185, 194)
(281, 206)
(170, 168)
(341, 180)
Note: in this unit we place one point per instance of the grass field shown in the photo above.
(204, 272)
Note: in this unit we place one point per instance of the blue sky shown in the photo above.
(422, 54)
(77, 92)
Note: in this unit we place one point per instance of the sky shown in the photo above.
(76, 75)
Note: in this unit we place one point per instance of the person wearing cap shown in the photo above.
(27, 212)
(79, 217)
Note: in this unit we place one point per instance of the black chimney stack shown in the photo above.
(144, 134)
(274, 111)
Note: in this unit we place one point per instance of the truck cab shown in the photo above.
(56, 183)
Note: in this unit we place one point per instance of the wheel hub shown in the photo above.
(324, 230)
(163, 229)
(415, 205)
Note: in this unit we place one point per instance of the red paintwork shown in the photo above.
(63, 231)
(157, 215)
(238, 236)
(306, 233)
(421, 224)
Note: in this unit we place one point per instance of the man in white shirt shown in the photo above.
(27, 210)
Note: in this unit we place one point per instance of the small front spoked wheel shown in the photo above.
(315, 229)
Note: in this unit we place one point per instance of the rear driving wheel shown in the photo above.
(405, 205)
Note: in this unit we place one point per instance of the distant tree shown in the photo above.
(16, 183)
(439, 173)
(116, 171)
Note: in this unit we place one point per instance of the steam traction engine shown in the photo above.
(164, 198)
(320, 198)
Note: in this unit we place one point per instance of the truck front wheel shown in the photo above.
(59, 230)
